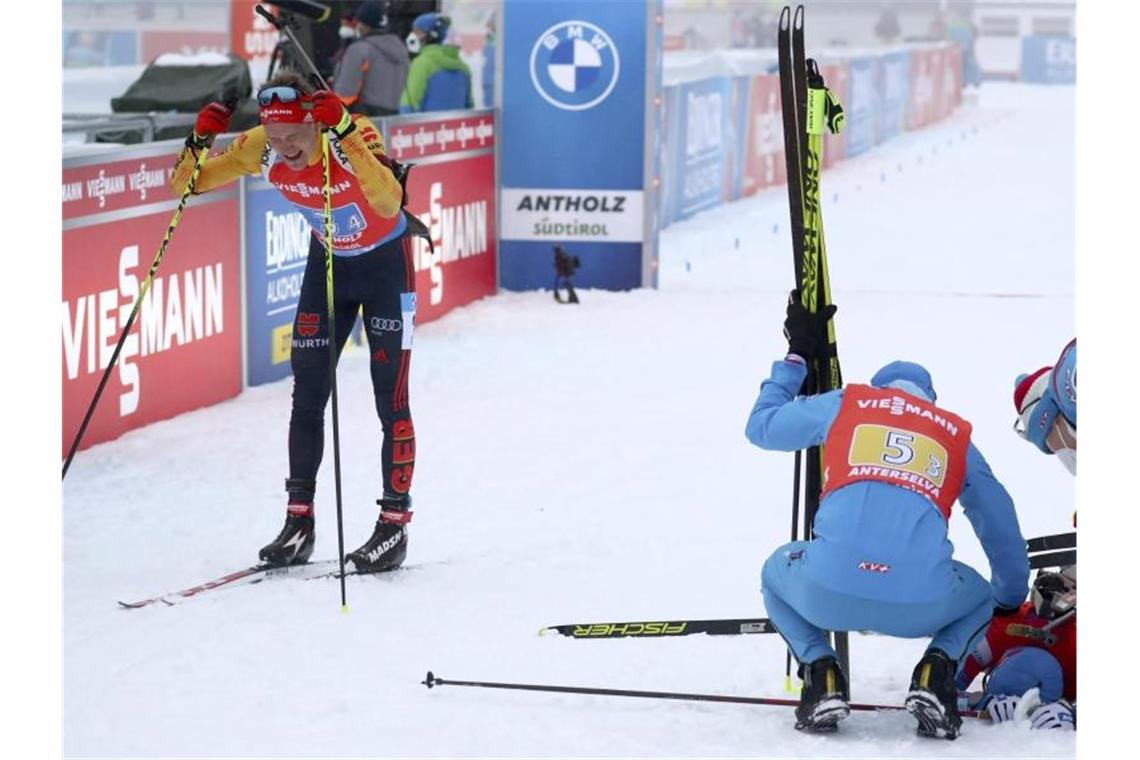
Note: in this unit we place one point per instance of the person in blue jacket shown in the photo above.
(438, 79)
(880, 560)
(1046, 403)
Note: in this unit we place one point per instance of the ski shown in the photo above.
(1053, 559)
(255, 574)
(661, 628)
(433, 680)
(1047, 543)
(807, 107)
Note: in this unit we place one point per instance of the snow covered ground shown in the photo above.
(574, 464)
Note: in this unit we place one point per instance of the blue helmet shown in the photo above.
(907, 377)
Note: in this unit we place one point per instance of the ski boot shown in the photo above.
(388, 546)
(933, 696)
(294, 544)
(823, 700)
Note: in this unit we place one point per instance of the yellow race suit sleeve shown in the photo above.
(364, 147)
(242, 156)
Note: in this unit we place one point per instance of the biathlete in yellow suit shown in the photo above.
(372, 269)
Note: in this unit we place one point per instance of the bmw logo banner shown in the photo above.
(581, 108)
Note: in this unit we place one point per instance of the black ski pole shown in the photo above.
(433, 680)
(331, 316)
(143, 290)
(283, 27)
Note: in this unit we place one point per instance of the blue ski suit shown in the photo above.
(880, 559)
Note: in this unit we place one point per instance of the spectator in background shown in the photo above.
(937, 30)
(961, 30)
(489, 64)
(371, 74)
(765, 28)
(438, 79)
(738, 32)
(887, 28)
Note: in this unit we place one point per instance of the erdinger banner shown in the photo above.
(581, 105)
(184, 349)
(277, 238)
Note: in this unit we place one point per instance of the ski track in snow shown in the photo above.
(581, 463)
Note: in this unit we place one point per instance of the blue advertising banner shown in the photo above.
(702, 138)
(862, 105)
(573, 140)
(736, 136)
(672, 155)
(893, 82)
(88, 48)
(1049, 60)
(276, 248)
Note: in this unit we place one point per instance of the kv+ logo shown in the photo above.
(574, 65)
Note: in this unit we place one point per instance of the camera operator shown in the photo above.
(565, 265)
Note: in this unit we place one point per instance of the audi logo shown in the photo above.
(377, 324)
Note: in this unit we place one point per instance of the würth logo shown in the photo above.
(308, 324)
(874, 567)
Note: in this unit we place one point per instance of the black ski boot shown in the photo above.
(294, 544)
(933, 697)
(823, 700)
(388, 546)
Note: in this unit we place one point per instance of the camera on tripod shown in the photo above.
(565, 265)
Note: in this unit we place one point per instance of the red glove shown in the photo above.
(212, 119)
(330, 111)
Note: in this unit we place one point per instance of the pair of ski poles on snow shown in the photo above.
(191, 184)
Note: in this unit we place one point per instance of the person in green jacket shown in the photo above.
(438, 79)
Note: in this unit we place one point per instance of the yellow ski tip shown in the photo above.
(344, 609)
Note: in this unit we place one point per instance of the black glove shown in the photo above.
(806, 332)
(1006, 611)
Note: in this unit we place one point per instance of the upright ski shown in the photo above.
(807, 107)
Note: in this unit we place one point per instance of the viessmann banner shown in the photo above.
(184, 349)
(576, 127)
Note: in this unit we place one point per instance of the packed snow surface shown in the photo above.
(580, 463)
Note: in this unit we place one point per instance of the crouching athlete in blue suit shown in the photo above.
(880, 560)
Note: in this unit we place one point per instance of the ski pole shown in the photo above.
(433, 680)
(332, 359)
(186, 193)
(284, 28)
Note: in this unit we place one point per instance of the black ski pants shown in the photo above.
(382, 282)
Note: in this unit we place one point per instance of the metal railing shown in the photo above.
(146, 125)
